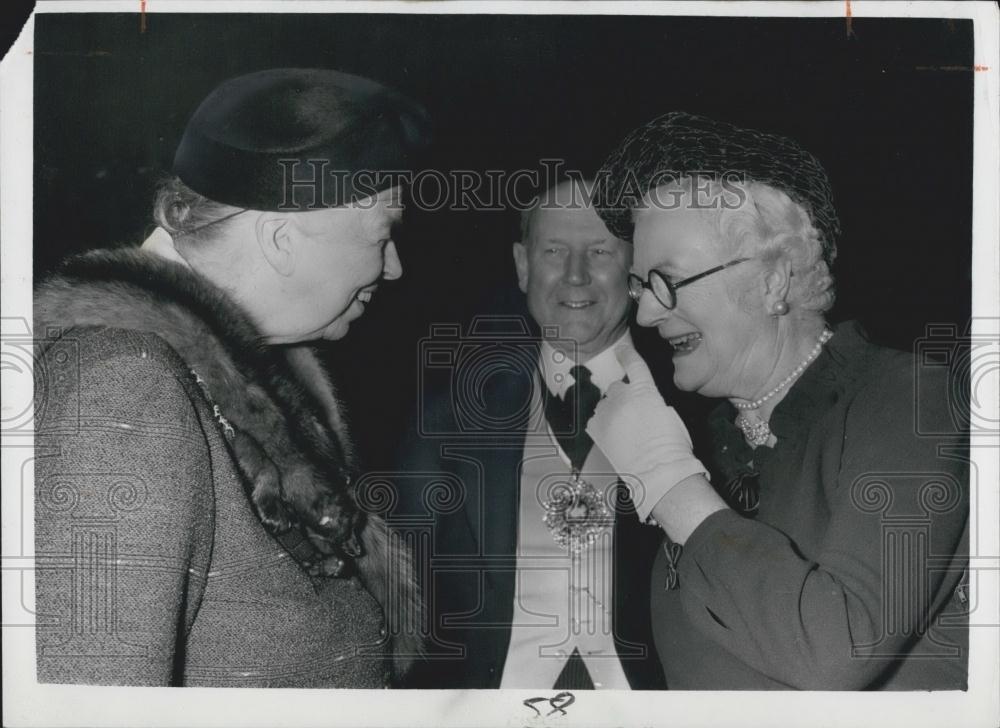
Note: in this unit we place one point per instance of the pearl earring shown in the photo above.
(780, 308)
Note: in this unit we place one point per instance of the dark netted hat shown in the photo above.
(680, 144)
(299, 138)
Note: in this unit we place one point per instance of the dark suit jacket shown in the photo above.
(463, 465)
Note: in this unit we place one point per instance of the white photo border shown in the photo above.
(27, 703)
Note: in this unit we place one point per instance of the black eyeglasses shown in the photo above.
(663, 290)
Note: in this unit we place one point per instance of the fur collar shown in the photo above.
(288, 435)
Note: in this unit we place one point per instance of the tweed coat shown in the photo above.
(163, 428)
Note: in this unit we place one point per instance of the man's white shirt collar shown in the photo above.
(605, 369)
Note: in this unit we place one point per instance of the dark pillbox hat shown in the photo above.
(679, 144)
(255, 139)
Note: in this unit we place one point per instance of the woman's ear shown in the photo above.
(777, 285)
(273, 233)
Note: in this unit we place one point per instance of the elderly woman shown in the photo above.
(195, 519)
(835, 536)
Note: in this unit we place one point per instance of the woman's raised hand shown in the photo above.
(641, 435)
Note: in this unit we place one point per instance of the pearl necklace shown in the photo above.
(755, 430)
(796, 373)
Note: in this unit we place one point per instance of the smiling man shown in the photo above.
(573, 272)
(555, 593)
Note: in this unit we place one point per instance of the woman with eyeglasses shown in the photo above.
(823, 546)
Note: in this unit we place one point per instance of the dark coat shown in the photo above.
(472, 450)
(845, 577)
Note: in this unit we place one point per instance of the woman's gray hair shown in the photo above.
(183, 212)
(758, 220)
(770, 225)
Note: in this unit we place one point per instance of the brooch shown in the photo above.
(576, 514)
(673, 553)
(755, 430)
(744, 492)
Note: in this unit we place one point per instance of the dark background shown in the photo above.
(887, 108)
(13, 14)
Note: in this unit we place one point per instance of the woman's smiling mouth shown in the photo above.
(685, 343)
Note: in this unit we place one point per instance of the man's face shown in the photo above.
(574, 273)
(340, 255)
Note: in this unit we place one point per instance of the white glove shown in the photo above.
(642, 436)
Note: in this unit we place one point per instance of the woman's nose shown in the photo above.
(392, 267)
(650, 312)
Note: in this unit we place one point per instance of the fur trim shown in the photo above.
(289, 437)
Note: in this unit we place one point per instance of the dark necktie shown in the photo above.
(568, 417)
(574, 675)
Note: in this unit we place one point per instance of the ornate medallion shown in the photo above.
(576, 514)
